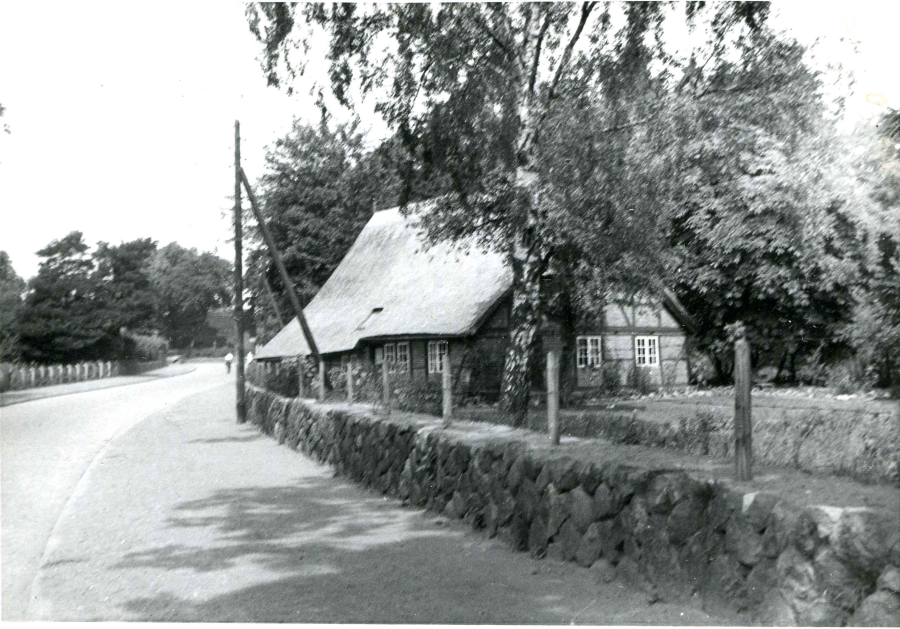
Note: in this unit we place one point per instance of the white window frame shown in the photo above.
(402, 364)
(589, 351)
(390, 356)
(646, 351)
(436, 351)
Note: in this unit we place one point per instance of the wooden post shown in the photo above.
(385, 386)
(241, 409)
(350, 382)
(276, 258)
(321, 380)
(553, 396)
(447, 381)
(743, 428)
(301, 385)
(272, 300)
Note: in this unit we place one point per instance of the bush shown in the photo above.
(612, 377)
(639, 380)
(143, 347)
(702, 371)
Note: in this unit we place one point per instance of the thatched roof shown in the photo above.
(428, 291)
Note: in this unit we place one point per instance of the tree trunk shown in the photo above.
(523, 330)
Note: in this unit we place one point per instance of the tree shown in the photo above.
(319, 188)
(474, 88)
(128, 294)
(12, 287)
(187, 285)
(63, 319)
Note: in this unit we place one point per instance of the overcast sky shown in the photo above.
(121, 116)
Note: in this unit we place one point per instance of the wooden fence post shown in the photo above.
(321, 380)
(447, 381)
(743, 428)
(350, 382)
(385, 387)
(301, 385)
(553, 396)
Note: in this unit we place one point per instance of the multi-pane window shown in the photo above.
(396, 355)
(436, 351)
(646, 351)
(588, 351)
(390, 356)
(403, 357)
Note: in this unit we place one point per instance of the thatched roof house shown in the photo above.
(395, 296)
(391, 284)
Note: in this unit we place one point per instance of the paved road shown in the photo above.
(48, 445)
(188, 517)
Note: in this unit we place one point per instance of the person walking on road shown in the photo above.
(228, 358)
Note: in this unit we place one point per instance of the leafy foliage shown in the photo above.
(64, 318)
(319, 189)
(12, 287)
(575, 142)
(187, 285)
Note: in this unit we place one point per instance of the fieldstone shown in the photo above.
(564, 473)
(659, 560)
(664, 492)
(719, 510)
(821, 613)
(590, 548)
(865, 538)
(724, 585)
(783, 518)
(629, 572)
(638, 519)
(543, 479)
(515, 534)
(455, 507)
(527, 499)
(761, 580)
(558, 510)
(684, 520)
(612, 534)
(581, 509)
(796, 579)
(759, 510)
(537, 538)
(591, 477)
(775, 611)
(491, 518)
(881, 609)
(570, 538)
(743, 542)
(604, 505)
(516, 473)
(603, 572)
(841, 586)
(889, 581)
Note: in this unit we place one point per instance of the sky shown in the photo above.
(121, 115)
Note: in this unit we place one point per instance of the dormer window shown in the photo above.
(369, 318)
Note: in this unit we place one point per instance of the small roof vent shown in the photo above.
(369, 318)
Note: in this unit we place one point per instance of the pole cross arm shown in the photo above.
(276, 257)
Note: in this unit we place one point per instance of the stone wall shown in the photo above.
(863, 445)
(663, 531)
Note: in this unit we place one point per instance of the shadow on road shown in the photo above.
(346, 557)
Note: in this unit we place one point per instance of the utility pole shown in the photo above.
(238, 280)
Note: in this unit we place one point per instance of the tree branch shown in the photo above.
(532, 79)
(586, 9)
